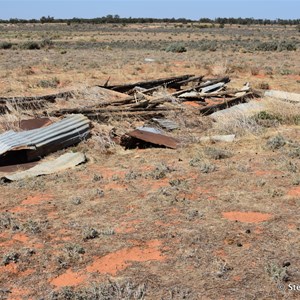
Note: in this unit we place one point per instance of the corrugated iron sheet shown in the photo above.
(243, 109)
(42, 141)
(292, 97)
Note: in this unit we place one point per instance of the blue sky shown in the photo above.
(193, 9)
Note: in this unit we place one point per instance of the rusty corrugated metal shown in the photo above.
(40, 142)
(154, 138)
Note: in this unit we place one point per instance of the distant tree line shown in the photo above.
(116, 19)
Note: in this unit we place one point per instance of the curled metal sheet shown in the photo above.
(42, 141)
(154, 138)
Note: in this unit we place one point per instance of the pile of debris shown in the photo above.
(146, 100)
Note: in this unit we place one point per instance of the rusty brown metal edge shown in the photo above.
(155, 138)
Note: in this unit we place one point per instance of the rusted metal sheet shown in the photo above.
(26, 146)
(17, 168)
(34, 123)
(27, 124)
(154, 139)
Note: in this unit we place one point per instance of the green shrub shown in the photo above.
(276, 46)
(51, 83)
(30, 46)
(266, 46)
(276, 142)
(176, 48)
(208, 46)
(47, 43)
(216, 153)
(264, 115)
(288, 46)
(5, 45)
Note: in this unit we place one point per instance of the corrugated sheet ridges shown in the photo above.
(72, 127)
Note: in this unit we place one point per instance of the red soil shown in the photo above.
(69, 278)
(32, 200)
(21, 237)
(120, 260)
(10, 268)
(267, 172)
(294, 192)
(18, 294)
(247, 217)
(19, 209)
(127, 227)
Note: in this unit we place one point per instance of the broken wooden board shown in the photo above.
(147, 84)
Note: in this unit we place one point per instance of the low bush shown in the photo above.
(51, 83)
(276, 46)
(47, 43)
(176, 48)
(5, 45)
(276, 142)
(288, 46)
(30, 46)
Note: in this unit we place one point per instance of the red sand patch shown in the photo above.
(159, 184)
(10, 268)
(237, 278)
(52, 214)
(260, 76)
(18, 293)
(120, 260)
(267, 173)
(294, 192)
(21, 237)
(32, 200)
(258, 230)
(69, 278)
(7, 244)
(221, 253)
(18, 209)
(127, 227)
(246, 217)
(192, 103)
